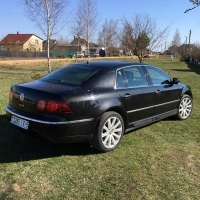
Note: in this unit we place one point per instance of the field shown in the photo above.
(159, 161)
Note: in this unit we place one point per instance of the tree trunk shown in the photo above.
(88, 51)
(48, 36)
(48, 55)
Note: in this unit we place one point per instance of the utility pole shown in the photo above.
(189, 43)
(185, 46)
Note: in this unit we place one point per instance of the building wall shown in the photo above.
(33, 44)
(11, 47)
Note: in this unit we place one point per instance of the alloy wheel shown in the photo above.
(185, 107)
(111, 132)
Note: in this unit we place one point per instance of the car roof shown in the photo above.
(107, 64)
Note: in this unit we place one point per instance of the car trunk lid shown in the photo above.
(25, 96)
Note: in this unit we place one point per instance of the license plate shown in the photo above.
(19, 122)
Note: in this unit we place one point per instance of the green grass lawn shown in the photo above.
(159, 161)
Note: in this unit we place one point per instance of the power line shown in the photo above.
(196, 25)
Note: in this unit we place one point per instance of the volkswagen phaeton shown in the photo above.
(97, 102)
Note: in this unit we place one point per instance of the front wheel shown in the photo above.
(109, 132)
(185, 107)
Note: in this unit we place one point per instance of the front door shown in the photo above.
(167, 94)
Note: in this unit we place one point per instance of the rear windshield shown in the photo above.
(73, 75)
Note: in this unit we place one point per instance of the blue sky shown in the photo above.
(164, 13)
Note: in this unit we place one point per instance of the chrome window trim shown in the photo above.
(49, 122)
(152, 66)
(138, 65)
(136, 110)
(133, 87)
(128, 66)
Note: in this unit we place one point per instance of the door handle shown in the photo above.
(127, 95)
(158, 91)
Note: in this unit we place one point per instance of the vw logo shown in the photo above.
(21, 97)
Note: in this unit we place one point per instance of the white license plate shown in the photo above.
(19, 122)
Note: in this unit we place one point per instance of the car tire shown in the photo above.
(184, 108)
(109, 132)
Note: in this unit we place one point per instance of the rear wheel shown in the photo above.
(185, 107)
(109, 132)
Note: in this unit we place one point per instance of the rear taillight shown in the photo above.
(53, 106)
(41, 105)
(10, 96)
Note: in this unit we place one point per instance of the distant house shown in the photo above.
(63, 50)
(80, 42)
(192, 49)
(69, 47)
(52, 44)
(21, 42)
(183, 50)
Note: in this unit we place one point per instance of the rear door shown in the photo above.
(136, 94)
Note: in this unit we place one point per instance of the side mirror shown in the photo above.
(175, 81)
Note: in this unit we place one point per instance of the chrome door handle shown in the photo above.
(158, 91)
(127, 95)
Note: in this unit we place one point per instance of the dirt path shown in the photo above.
(26, 61)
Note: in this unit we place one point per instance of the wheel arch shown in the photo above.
(105, 143)
(185, 106)
(188, 93)
(122, 113)
(187, 90)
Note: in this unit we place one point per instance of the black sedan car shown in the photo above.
(97, 102)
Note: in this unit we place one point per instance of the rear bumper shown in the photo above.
(57, 129)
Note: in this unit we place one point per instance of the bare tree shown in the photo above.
(177, 38)
(48, 15)
(1, 37)
(195, 51)
(78, 27)
(127, 39)
(176, 42)
(63, 40)
(196, 3)
(145, 35)
(108, 37)
(89, 15)
(141, 43)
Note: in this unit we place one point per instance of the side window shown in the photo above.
(135, 76)
(158, 77)
(120, 80)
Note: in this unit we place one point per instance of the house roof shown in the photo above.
(80, 40)
(17, 38)
(52, 43)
